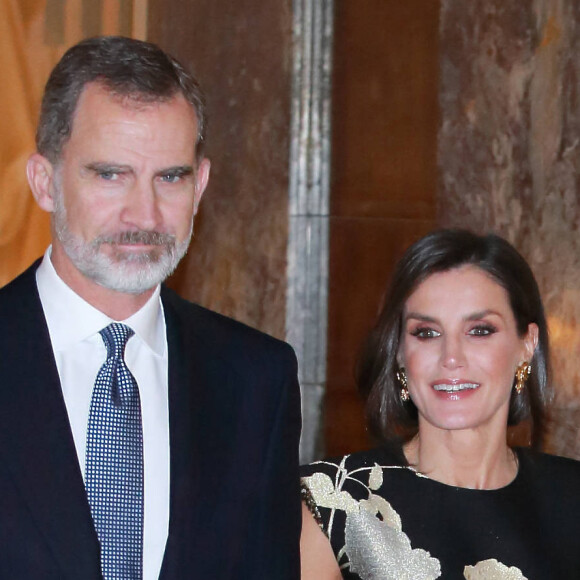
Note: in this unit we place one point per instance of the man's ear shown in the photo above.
(201, 179)
(40, 173)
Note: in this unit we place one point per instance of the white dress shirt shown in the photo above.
(80, 352)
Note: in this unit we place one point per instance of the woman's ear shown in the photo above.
(40, 173)
(531, 341)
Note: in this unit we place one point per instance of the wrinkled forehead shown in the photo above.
(109, 119)
(98, 92)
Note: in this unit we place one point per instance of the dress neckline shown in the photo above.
(514, 482)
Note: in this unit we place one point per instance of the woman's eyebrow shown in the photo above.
(483, 314)
(419, 316)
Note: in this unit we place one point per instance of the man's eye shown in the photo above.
(108, 175)
(171, 177)
(425, 332)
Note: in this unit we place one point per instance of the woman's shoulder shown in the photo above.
(552, 481)
(549, 469)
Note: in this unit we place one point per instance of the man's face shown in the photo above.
(126, 189)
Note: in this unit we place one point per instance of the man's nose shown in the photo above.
(141, 208)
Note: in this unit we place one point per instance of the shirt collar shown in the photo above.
(72, 319)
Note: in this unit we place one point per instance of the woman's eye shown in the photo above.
(425, 332)
(482, 330)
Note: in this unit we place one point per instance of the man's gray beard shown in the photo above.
(127, 272)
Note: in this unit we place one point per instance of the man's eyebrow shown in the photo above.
(103, 166)
(178, 170)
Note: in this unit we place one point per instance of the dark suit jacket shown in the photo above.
(234, 416)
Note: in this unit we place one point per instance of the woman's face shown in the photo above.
(461, 349)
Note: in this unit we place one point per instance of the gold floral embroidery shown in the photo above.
(377, 548)
(375, 544)
(492, 570)
(326, 495)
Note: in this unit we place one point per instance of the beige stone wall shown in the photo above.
(33, 36)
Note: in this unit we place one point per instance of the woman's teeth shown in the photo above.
(454, 388)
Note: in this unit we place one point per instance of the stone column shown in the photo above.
(307, 291)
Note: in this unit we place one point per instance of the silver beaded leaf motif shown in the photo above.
(378, 551)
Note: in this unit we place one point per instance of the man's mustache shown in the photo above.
(148, 238)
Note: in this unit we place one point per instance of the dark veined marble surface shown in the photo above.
(509, 156)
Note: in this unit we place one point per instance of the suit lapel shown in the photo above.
(202, 420)
(36, 443)
(183, 448)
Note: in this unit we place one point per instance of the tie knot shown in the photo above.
(115, 337)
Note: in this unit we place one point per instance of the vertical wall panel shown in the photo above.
(383, 177)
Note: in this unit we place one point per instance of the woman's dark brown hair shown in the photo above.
(391, 419)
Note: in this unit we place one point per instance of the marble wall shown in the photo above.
(463, 114)
(241, 52)
(383, 176)
(509, 156)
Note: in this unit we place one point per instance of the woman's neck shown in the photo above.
(466, 458)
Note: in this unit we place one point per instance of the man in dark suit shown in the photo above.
(141, 436)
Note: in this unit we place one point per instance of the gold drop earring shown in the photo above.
(522, 375)
(402, 378)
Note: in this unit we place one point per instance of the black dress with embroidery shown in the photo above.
(385, 521)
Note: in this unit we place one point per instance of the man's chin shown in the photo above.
(135, 273)
(130, 268)
(131, 277)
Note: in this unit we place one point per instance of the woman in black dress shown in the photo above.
(460, 351)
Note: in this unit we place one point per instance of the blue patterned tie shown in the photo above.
(114, 461)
